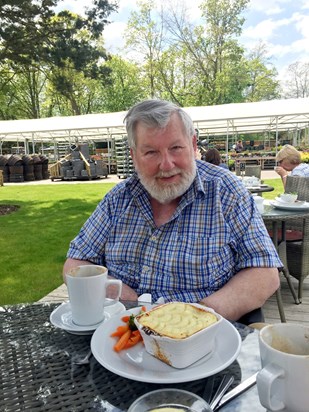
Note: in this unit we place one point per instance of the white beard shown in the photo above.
(166, 193)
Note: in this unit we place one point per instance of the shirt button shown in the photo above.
(153, 238)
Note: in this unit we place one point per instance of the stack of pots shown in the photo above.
(5, 167)
(45, 172)
(16, 168)
(28, 168)
(37, 167)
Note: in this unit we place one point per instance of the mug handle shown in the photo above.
(117, 283)
(265, 380)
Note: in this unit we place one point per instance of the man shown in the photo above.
(179, 228)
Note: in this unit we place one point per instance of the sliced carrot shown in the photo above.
(143, 309)
(125, 318)
(134, 339)
(122, 341)
(120, 330)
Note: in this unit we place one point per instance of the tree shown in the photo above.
(261, 81)
(126, 87)
(144, 35)
(65, 46)
(297, 83)
(212, 49)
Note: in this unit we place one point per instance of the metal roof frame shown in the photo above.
(221, 120)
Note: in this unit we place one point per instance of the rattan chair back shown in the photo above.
(298, 252)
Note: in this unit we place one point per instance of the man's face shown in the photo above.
(165, 160)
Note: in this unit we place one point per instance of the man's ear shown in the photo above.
(194, 142)
(132, 154)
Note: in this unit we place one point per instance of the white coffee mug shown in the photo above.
(283, 382)
(259, 201)
(87, 285)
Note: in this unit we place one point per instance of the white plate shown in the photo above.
(289, 206)
(137, 364)
(61, 317)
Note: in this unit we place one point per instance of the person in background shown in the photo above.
(239, 147)
(213, 156)
(289, 160)
(179, 228)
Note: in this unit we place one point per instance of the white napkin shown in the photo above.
(147, 298)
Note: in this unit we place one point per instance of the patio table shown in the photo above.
(38, 373)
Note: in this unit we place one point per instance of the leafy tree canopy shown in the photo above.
(30, 34)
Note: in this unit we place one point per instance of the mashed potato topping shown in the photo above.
(176, 320)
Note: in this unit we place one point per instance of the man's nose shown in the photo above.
(167, 162)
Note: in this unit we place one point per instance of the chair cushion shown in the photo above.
(290, 235)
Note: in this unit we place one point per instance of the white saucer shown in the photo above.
(61, 317)
(295, 203)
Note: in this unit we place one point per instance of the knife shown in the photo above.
(239, 389)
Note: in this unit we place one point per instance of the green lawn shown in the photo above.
(34, 240)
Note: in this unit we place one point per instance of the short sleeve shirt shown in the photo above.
(301, 170)
(215, 232)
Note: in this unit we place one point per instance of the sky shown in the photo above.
(282, 25)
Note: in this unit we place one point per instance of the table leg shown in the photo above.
(280, 305)
(278, 292)
(285, 270)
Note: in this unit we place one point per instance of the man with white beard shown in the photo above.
(179, 228)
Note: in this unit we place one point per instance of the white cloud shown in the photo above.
(265, 29)
(269, 7)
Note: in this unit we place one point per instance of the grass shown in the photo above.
(34, 240)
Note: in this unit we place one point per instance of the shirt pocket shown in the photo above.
(208, 259)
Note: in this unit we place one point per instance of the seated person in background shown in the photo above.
(213, 156)
(179, 228)
(289, 160)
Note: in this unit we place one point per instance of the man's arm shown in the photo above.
(247, 290)
(127, 292)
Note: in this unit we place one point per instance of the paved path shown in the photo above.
(266, 174)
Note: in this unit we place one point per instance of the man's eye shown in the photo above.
(149, 152)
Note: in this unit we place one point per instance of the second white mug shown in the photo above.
(283, 382)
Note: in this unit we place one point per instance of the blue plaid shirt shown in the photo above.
(215, 232)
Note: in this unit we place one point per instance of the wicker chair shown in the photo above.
(253, 170)
(298, 251)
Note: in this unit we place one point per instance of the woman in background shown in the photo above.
(289, 160)
(213, 156)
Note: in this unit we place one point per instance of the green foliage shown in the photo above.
(60, 49)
